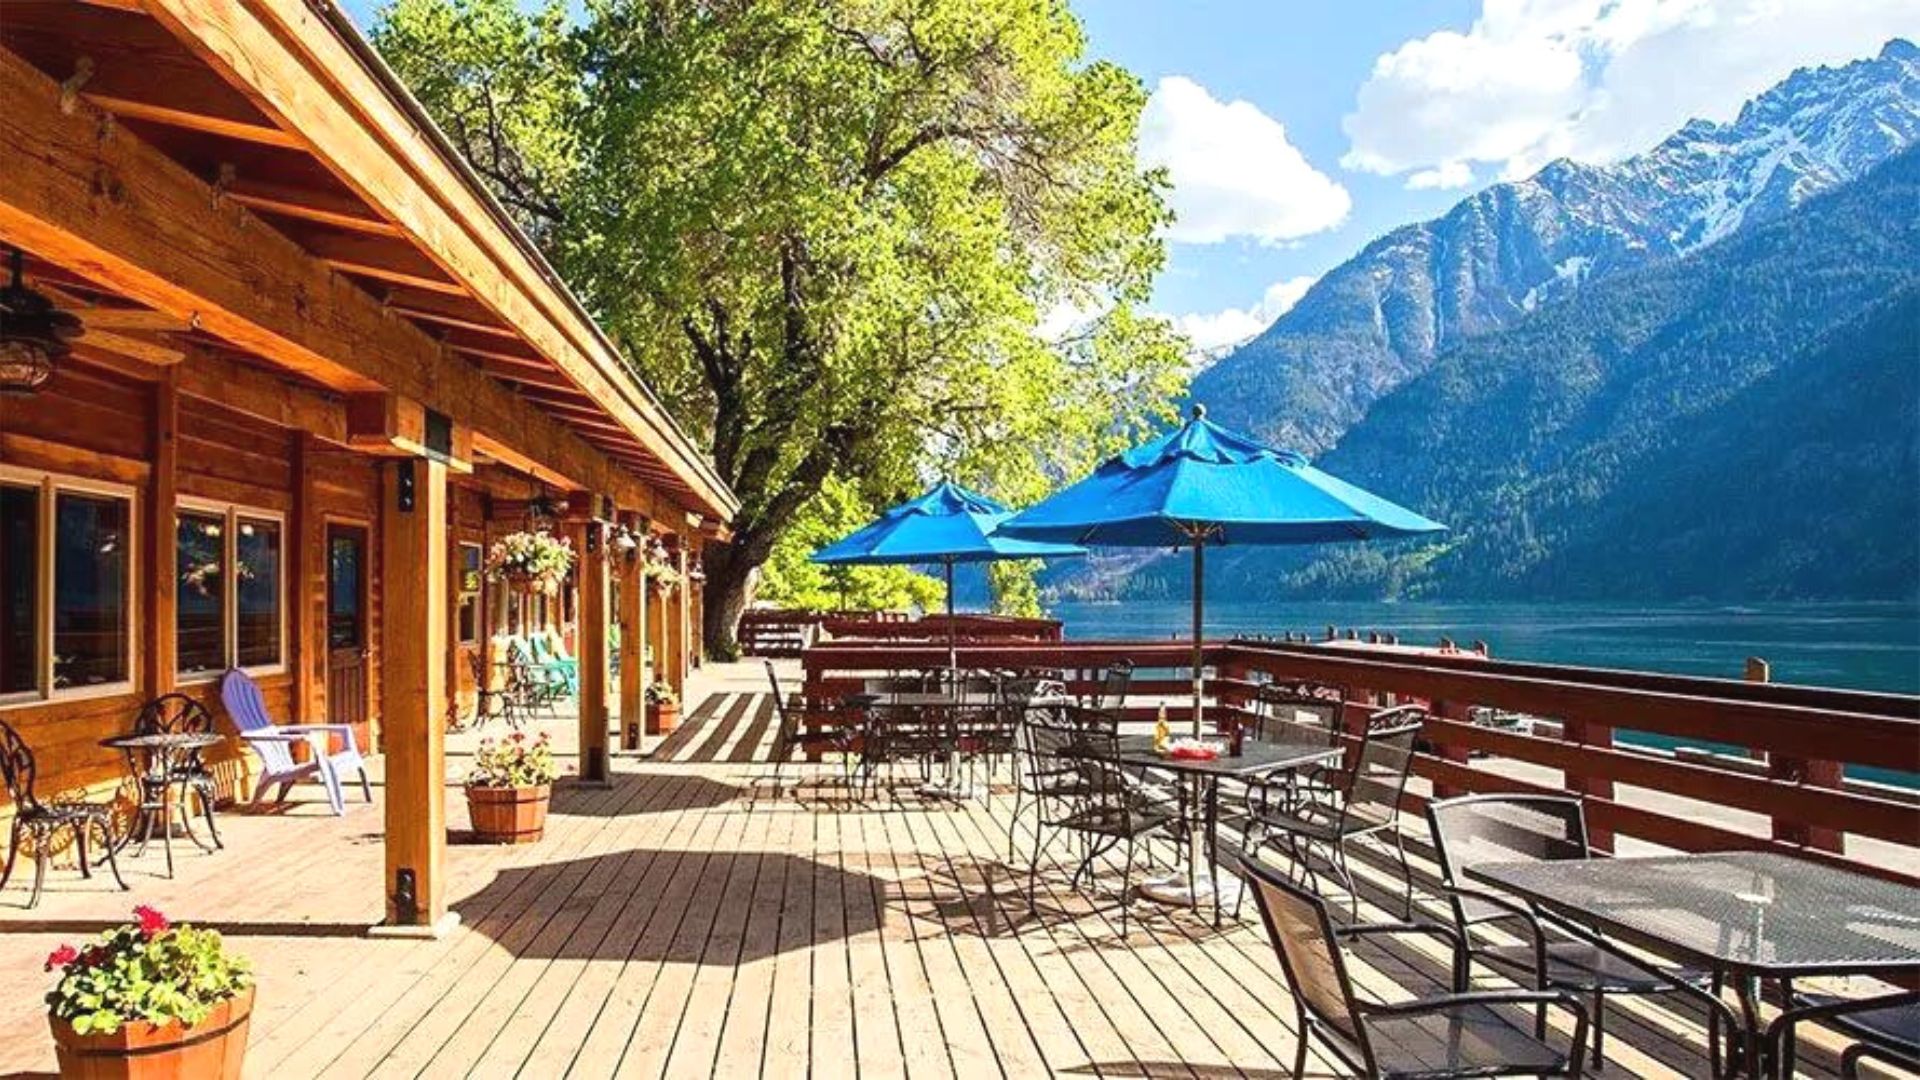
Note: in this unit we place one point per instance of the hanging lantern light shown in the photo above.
(33, 334)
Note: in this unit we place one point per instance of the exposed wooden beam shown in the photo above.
(144, 350)
(136, 319)
(325, 208)
(153, 113)
(383, 259)
(118, 211)
(296, 66)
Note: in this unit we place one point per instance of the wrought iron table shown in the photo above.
(1256, 758)
(1745, 915)
(154, 760)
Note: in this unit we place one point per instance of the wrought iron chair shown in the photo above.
(1885, 1028)
(1087, 793)
(789, 737)
(1021, 698)
(43, 821)
(1449, 1035)
(176, 714)
(540, 685)
(1365, 803)
(1475, 829)
(1115, 685)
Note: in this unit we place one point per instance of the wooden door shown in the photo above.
(347, 629)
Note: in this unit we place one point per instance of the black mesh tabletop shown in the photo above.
(1256, 756)
(1754, 912)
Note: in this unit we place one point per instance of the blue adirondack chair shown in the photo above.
(546, 652)
(273, 744)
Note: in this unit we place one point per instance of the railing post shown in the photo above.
(1806, 772)
(1450, 710)
(1589, 733)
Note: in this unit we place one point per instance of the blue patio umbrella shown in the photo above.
(1202, 485)
(947, 525)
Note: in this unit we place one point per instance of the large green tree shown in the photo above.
(828, 231)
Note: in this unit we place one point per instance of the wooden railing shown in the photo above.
(1792, 742)
(963, 627)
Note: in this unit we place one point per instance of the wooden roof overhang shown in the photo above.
(252, 177)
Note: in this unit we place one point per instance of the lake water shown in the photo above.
(1858, 646)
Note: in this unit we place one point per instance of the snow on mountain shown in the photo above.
(1378, 319)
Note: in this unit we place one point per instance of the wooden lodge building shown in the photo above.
(317, 369)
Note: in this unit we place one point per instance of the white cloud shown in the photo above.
(1443, 177)
(1595, 80)
(1212, 331)
(1233, 169)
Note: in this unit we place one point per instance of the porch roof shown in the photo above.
(285, 113)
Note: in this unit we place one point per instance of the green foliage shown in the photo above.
(661, 692)
(148, 970)
(1015, 591)
(513, 761)
(826, 233)
(791, 582)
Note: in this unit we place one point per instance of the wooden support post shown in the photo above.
(1810, 772)
(159, 643)
(1588, 733)
(676, 659)
(590, 541)
(413, 691)
(306, 648)
(633, 649)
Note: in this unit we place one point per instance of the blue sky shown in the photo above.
(1298, 130)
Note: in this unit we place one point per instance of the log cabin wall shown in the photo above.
(93, 425)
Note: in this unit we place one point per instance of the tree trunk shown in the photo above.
(729, 590)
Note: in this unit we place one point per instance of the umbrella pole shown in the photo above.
(1199, 605)
(953, 644)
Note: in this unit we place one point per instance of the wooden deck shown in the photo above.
(681, 924)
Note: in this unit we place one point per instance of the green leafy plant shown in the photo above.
(513, 762)
(147, 970)
(661, 693)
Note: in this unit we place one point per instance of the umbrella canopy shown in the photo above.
(948, 524)
(1206, 485)
(1225, 487)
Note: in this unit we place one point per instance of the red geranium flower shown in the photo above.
(151, 921)
(62, 956)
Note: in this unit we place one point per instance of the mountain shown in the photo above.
(1739, 423)
(1379, 319)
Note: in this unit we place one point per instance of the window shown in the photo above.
(257, 568)
(66, 586)
(467, 622)
(200, 601)
(19, 589)
(227, 593)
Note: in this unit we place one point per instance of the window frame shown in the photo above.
(230, 514)
(462, 596)
(50, 485)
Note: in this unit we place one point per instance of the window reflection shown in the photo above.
(257, 571)
(91, 635)
(200, 604)
(19, 588)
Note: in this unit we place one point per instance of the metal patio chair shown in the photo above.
(789, 737)
(1087, 794)
(1448, 1035)
(178, 714)
(1365, 802)
(1476, 829)
(41, 821)
(1884, 1028)
(274, 743)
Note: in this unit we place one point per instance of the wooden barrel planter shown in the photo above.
(663, 718)
(508, 815)
(216, 1047)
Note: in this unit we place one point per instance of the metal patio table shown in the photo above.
(1257, 758)
(153, 760)
(1745, 915)
(952, 709)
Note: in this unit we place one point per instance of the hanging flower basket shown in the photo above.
(663, 571)
(536, 561)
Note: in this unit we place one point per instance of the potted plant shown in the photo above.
(150, 999)
(509, 787)
(535, 560)
(663, 708)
